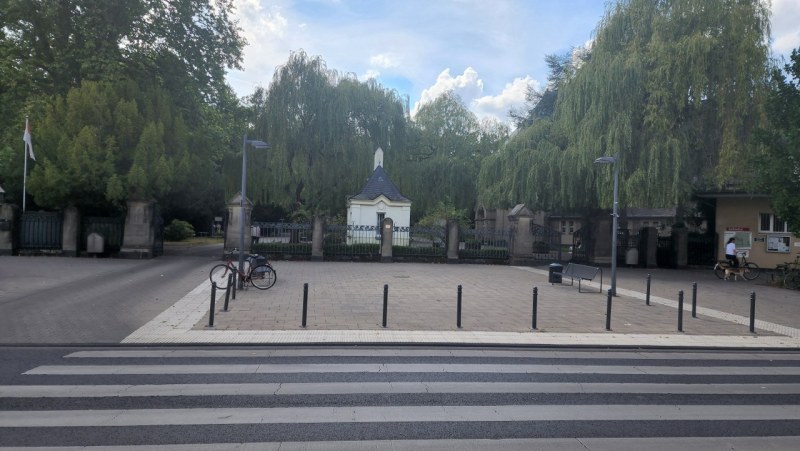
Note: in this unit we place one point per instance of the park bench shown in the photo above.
(582, 272)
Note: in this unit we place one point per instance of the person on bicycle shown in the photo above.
(730, 252)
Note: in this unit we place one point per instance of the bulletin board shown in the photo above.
(778, 243)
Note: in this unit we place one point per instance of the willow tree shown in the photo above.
(323, 129)
(675, 88)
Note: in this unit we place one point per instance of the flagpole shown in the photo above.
(25, 170)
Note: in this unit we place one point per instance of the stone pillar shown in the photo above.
(233, 228)
(648, 247)
(521, 238)
(387, 238)
(70, 239)
(317, 239)
(599, 251)
(452, 241)
(139, 236)
(680, 243)
(8, 218)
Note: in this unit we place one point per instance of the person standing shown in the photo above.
(730, 252)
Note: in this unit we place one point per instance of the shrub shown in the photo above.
(178, 230)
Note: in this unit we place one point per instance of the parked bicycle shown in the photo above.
(257, 271)
(790, 273)
(749, 270)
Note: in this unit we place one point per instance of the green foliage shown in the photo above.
(674, 88)
(178, 230)
(443, 212)
(775, 164)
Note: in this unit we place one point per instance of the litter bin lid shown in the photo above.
(556, 265)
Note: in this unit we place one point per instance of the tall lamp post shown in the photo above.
(615, 215)
(258, 145)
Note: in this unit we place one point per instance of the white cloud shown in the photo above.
(371, 73)
(467, 85)
(385, 60)
(784, 21)
(512, 96)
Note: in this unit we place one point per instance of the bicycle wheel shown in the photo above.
(752, 271)
(219, 274)
(719, 271)
(263, 277)
(792, 280)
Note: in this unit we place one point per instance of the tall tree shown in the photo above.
(775, 166)
(675, 88)
(323, 129)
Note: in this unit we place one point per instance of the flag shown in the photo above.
(27, 138)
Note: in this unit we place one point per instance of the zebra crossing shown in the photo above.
(403, 398)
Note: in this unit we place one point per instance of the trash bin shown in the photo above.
(554, 276)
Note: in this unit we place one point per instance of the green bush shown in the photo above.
(178, 230)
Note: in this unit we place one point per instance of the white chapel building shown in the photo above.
(379, 199)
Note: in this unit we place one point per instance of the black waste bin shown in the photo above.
(554, 276)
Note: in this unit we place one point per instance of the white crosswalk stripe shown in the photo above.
(403, 399)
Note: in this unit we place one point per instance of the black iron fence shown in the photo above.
(352, 240)
(492, 244)
(418, 241)
(40, 231)
(282, 238)
(110, 228)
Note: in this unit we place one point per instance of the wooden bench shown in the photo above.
(582, 272)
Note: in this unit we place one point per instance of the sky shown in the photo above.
(486, 51)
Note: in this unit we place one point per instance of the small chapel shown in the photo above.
(379, 199)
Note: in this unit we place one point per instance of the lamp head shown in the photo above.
(258, 144)
(606, 160)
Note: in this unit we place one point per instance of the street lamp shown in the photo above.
(615, 215)
(258, 145)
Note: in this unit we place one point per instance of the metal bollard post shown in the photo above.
(647, 298)
(228, 292)
(233, 285)
(608, 311)
(680, 311)
(694, 299)
(458, 309)
(385, 302)
(213, 302)
(753, 311)
(535, 305)
(305, 303)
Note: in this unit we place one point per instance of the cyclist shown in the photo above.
(730, 252)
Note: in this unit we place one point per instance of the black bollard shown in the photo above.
(213, 301)
(608, 311)
(228, 292)
(305, 303)
(535, 305)
(647, 298)
(233, 286)
(753, 311)
(458, 309)
(694, 299)
(385, 302)
(680, 311)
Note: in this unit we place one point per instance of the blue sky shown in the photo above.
(487, 51)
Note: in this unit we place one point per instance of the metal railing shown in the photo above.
(484, 244)
(418, 241)
(282, 238)
(352, 240)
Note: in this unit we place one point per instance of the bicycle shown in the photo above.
(257, 272)
(751, 270)
(790, 272)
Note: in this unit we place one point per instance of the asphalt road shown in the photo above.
(353, 398)
(59, 300)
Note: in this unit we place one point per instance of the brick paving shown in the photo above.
(423, 297)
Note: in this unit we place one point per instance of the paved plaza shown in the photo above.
(345, 305)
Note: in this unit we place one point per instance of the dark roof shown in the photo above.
(379, 184)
